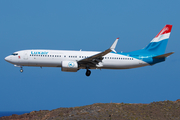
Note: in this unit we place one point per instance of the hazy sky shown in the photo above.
(88, 25)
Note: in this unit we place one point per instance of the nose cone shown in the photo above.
(8, 59)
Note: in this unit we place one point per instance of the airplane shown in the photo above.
(72, 61)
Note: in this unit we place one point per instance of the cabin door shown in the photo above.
(25, 56)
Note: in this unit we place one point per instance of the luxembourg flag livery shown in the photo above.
(163, 34)
(159, 43)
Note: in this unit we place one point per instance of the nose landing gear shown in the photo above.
(88, 72)
(21, 70)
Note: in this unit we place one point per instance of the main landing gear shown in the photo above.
(88, 72)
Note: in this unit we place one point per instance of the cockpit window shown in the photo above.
(15, 54)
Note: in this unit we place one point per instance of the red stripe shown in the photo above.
(166, 29)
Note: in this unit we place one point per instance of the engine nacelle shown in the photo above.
(69, 66)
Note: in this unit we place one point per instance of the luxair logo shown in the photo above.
(71, 64)
(164, 30)
(39, 53)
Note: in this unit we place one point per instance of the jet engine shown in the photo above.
(69, 66)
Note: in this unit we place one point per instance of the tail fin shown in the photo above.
(158, 44)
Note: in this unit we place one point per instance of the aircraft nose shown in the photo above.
(7, 58)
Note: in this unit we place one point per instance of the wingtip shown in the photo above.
(117, 38)
(114, 44)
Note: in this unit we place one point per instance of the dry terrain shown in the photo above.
(163, 110)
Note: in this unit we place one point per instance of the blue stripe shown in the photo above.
(157, 47)
(146, 54)
(153, 49)
(146, 58)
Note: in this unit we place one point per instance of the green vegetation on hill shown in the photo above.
(164, 110)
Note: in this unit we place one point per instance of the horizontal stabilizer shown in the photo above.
(163, 56)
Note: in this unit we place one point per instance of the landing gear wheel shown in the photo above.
(21, 70)
(88, 73)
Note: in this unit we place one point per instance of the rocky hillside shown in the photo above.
(164, 110)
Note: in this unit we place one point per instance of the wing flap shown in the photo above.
(98, 57)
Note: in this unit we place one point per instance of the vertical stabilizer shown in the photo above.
(159, 43)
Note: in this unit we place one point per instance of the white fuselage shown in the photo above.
(54, 58)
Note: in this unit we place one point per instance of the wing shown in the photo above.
(95, 59)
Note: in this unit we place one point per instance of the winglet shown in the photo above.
(113, 46)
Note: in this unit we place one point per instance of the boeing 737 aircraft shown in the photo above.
(72, 61)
